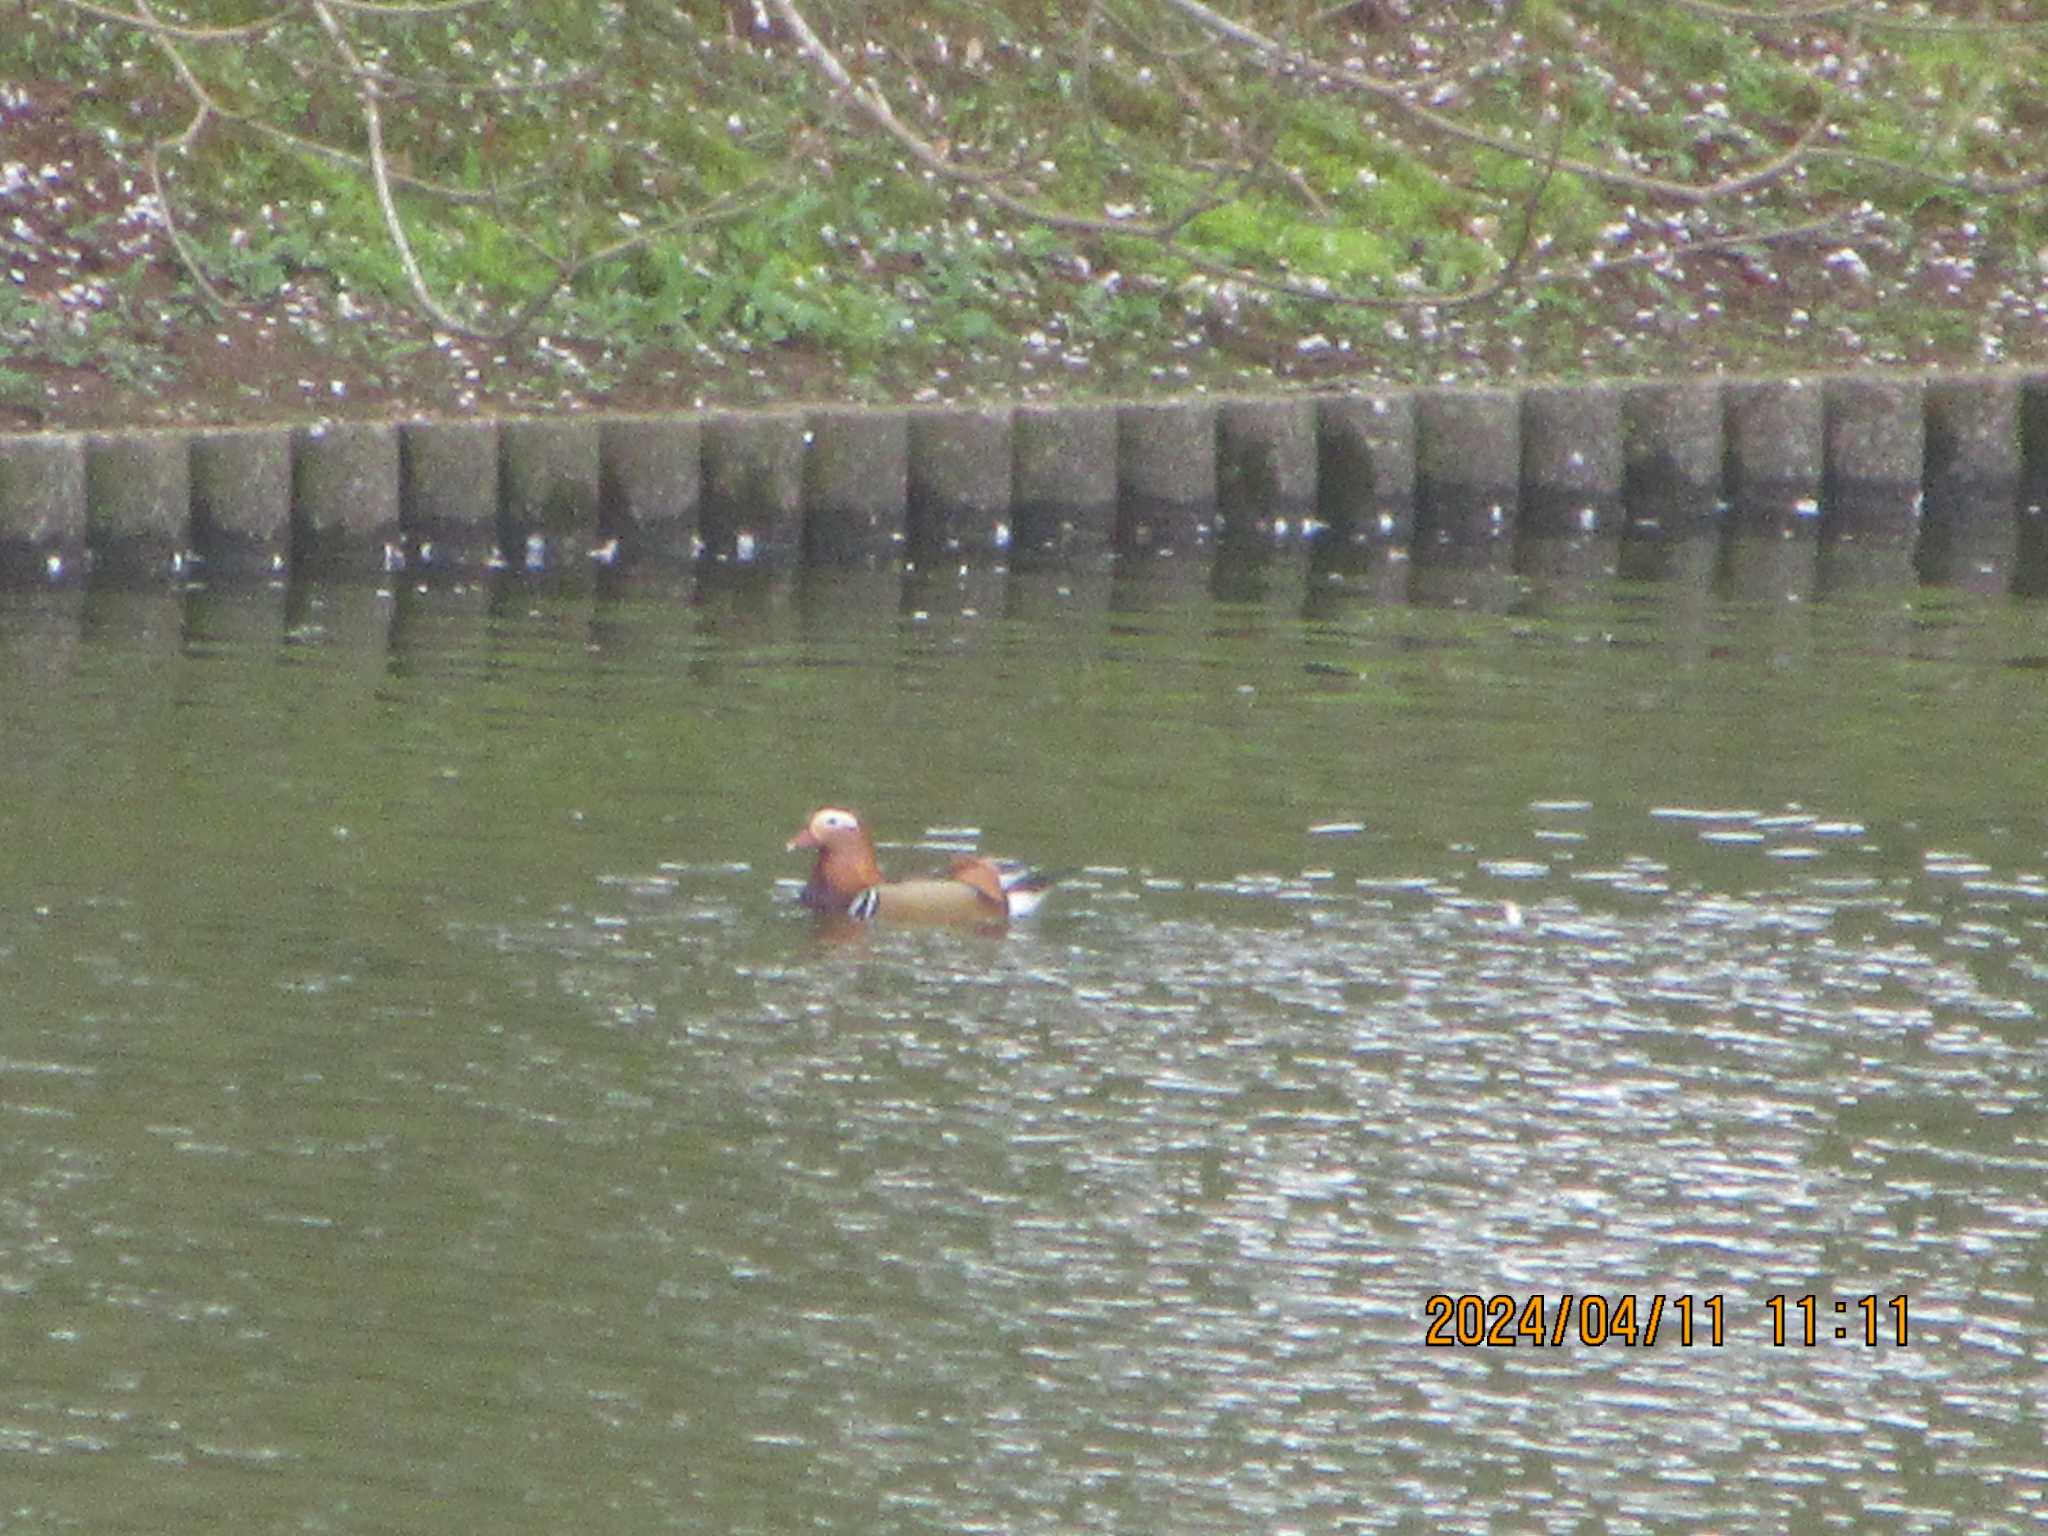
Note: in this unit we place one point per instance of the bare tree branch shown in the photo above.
(1322, 293)
(395, 84)
(423, 8)
(1355, 77)
(1166, 232)
(567, 272)
(1833, 226)
(148, 21)
(1976, 185)
(1237, 105)
(152, 160)
(373, 128)
(1860, 11)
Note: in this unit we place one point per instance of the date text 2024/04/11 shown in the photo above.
(1540, 1320)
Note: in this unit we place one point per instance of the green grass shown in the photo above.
(820, 242)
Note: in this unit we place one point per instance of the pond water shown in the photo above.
(422, 1106)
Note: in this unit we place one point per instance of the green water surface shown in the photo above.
(423, 1108)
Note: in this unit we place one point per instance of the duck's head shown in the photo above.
(831, 830)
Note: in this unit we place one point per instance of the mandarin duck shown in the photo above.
(846, 882)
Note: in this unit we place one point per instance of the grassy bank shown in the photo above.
(652, 205)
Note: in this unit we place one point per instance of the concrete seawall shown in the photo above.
(1887, 476)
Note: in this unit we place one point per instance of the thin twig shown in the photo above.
(349, 158)
(149, 22)
(1164, 232)
(1858, 10)
(1812, 228)
(410, 85)
(567, 272)
(163, 32)
(380, 178)
(421, 8)
(1357, 78)
(203, 109)
(1478, 293)
(872, 103)
(875, 107)
(188, 257)
(1976, 183)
